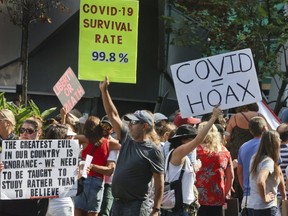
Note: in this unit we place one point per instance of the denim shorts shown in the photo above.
(91, 198)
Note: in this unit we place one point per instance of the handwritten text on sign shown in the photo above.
(68, 89)
(39, 168)
(228, 79)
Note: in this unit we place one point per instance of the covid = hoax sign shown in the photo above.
(68, 89)
(39, 168)
(228, 79)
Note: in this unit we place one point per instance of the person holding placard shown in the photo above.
(138, 161)
(30, 129)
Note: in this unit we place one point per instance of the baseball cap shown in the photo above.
(105, 119)
(159, 117)
(140, 115)
(6, 114)
(178, 120)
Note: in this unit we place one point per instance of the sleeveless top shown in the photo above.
(100, 156)
(238, 137)
(188, 178)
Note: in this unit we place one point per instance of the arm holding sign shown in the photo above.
(1, 166)
(110, 108)
(178, 155)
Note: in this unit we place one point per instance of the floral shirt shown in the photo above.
(210, 179)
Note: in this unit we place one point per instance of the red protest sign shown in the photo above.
(68, 89)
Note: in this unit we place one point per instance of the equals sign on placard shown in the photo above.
(214, 82)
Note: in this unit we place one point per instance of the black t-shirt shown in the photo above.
(135, 166)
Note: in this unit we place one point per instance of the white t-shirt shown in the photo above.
(188, 178)
(113, 155)
(254, 200)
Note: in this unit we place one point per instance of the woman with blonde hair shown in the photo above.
(185, 140)
(265, 175)
(215, 177)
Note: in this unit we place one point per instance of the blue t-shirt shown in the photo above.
(246, 151)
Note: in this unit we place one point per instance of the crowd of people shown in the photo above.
(137, 154)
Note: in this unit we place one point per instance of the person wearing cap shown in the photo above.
(7, 124)
(178, 121)
(139, 160)
(185, 140)
(215, 177)
(160, 120)
(97, 143)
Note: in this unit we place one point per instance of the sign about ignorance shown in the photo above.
(228, 79)
(39, 169)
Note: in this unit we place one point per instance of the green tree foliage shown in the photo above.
(23, 13)
(231, 25)
(23, 112)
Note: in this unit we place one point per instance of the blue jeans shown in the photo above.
(130, 208)
(266, 212)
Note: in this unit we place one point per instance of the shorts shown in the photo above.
(91, 198)
(60, 206)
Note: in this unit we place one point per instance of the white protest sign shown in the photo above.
(39, 168)
(228, 79)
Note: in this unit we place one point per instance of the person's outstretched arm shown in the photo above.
(180, 152)
(110, 108)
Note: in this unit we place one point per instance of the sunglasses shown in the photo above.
(134, 122)
(105, 126)
(27, 130)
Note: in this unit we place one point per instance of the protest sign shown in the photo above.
(39, 169)
(271, 118)
(68, 89)
(228, 79)
(108, 40)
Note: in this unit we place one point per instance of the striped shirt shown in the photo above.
(284, 164)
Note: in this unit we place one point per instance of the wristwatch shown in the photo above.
(156, 209)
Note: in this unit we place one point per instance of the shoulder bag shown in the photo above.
(172, 197)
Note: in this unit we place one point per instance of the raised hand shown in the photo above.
(217, 111)
(103, 85)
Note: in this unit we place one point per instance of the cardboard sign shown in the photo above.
(228, 79)
(108, 40)
(39, 168)
(68, 89)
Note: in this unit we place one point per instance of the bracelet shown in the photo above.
(156, 209)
